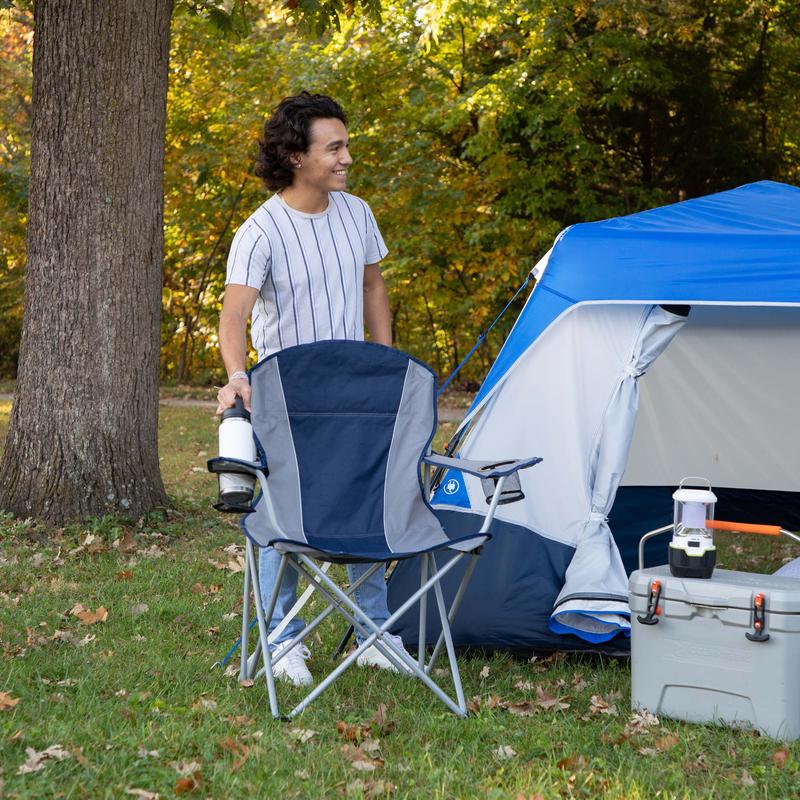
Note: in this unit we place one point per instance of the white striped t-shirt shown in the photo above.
(308, 268)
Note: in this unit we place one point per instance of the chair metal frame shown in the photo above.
(341, 601)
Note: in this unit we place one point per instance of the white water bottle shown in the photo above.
(236, 441)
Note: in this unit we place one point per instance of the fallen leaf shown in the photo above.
(548, 702)
(142, 794)
(302, 774)
(68, 637)
(525, 686)
(779, 758)
(240, 720)
(524, 709)
(234, 565)
(87, 616)
(370, 788)
(571, 762)
(205, 704)
(474, 704)
(504, 752)
(127, 575)
(352, 732)
(484, 673)
(127, 544)
(246, 683)
(7, 701)
(302, 735)
(359, 759)
(747, 779)
(578, 683)
(35, 760)
(188, 784)
(641, 722)
(665, 743)
(185, 768)
(139, 608)
(380, 724)
(237, 749)
(143, 752)
(599, 705)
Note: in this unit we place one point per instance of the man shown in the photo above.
(304, 265)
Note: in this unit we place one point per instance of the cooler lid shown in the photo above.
(725, 589)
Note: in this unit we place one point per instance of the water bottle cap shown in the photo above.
(236, 411)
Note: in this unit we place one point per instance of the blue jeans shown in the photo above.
(370, 597)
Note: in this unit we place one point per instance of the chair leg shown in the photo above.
(451, 651)
(347, 608)
(262, 623)
(423, 611)
(243, 663)
(462, 589)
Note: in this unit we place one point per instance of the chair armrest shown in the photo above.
(481, 469)
(237, 466)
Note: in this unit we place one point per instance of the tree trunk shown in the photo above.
(83, 433)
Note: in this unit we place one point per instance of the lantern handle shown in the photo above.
(694, 478)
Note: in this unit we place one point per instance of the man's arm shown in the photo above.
(377, 316)
(237, 305)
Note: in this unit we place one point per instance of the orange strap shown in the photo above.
(743, 527)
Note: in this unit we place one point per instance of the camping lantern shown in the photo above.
(691, 552)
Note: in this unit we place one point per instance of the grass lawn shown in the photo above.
(108, 631)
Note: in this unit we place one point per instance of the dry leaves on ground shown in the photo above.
(549, 702)
(188, 784)
(234, 565)
(142, 794)
(601, 705)
(572, 762)
(361, 758)
(504, 752)
(370, 788)
(185, 768)
(302, 735)
(88, 617)
(640, 722)
(380, 724)
(35, 759)
(779, 758)
(747, 779)
(7, 701)
(127, 543)
(237, 749)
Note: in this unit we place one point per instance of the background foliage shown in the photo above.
(479, 131)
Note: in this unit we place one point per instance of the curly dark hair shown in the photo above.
(287, 131)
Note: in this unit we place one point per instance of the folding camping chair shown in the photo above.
(345, 427)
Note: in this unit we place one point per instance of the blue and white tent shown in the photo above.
(622, 394)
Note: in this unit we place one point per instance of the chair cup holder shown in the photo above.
(512, 489)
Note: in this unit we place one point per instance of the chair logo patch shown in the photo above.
(452, 486)
(452, 491)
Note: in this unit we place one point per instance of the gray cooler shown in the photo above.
(724, 650)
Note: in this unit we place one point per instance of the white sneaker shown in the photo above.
(372, 657)
(292, 667)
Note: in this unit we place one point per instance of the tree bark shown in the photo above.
(82, 438)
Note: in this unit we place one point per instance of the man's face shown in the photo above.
(324, 165)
